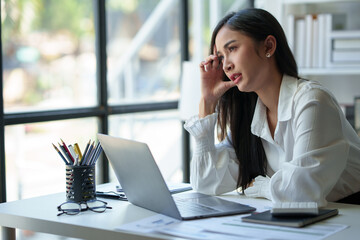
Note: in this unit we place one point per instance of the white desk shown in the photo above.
(40, 215)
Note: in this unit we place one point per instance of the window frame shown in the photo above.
(103, 110)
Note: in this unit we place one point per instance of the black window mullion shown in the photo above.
(2, 134)
(53, 115)
(101, 74)
(73, 113)
(143, 107)
(185, 56)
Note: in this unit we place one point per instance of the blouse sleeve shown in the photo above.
(320, 150)
(213, 168)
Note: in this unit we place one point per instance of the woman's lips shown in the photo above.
(236, 77)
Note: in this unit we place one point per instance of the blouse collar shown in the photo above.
(288, 88)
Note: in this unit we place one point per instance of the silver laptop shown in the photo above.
(144, 186)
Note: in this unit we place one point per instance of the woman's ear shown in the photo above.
(270, 45)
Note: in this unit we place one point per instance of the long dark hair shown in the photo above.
(236, 108)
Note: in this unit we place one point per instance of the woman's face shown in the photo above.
(243, 60)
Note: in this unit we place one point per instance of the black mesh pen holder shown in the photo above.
(80, 183)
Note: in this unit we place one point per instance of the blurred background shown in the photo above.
(73, 68)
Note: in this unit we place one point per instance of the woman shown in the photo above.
(281, 137)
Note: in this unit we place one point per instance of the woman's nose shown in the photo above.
(227, 66)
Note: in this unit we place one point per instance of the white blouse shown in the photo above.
(314, 155)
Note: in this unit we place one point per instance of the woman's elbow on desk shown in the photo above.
(210, 188)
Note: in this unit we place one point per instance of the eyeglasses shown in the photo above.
(73, 208)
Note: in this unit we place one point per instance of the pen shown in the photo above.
(86, 158)
(97, 155)
(91, 154)
(85, 152)
(74, 155)
(111, 196)
(94, 154)
(77, 150)
(65, 153)
(72, 151)
(67, 150)
(63, 158)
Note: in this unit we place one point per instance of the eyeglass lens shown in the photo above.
(96, 206)
(70, 208)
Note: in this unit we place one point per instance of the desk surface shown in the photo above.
(40, 215)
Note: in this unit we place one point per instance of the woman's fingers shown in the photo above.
(202, 66)
(211, 62)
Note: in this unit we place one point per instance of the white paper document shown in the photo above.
(229, 228)
(164, 224)
(149, 224)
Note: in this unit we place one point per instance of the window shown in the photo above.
(49, 58)
(72, 68)
(161, 131)
(143, 49)
(63, 78)
(33, 168)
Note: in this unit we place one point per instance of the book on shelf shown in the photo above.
(321, 40)
(346, 56)
(345, 47)
(290, 34)
(327, 39)
(309, 31)
(316, 45)
(345, 34)
(299, 44)
(346, 43)
(309, 37)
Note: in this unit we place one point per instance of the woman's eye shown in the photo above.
(232, 49)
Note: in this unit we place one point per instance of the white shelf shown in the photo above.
(341, 78)
(329, 71)
(345, 34)
(314, 1)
